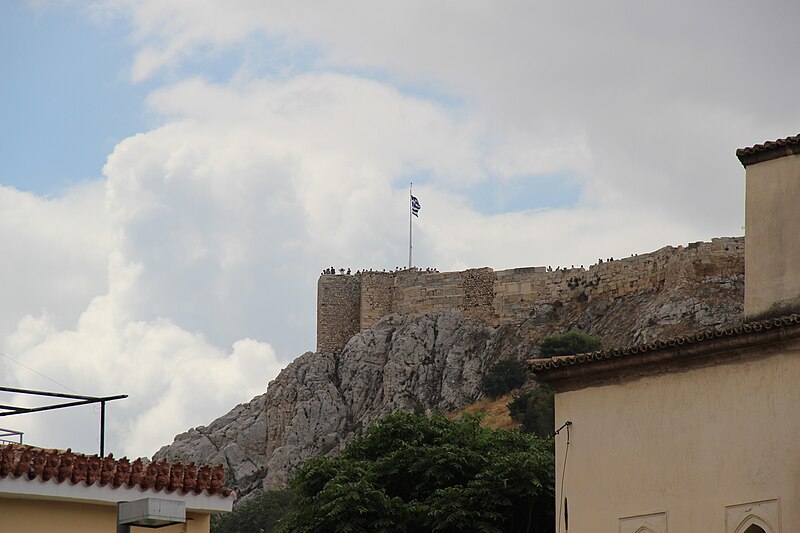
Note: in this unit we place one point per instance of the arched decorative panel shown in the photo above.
(648, 523)
(755, 517)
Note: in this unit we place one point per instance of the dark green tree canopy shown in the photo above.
(256, 516)
(412, 473)
(569, 343)
(504, 376)
(535, 410)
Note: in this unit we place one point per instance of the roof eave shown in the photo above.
(22, 487)
(611, 370)
(769, 150)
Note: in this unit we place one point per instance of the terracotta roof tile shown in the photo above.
(769, 150)
(17, 460)
(741, 329)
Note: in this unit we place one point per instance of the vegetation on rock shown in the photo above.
(415, 473)
(535, 410)
(569, 343)
(504, 376)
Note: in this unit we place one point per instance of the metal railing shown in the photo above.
(7, 434)
(77, 400)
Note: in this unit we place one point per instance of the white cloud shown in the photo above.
(55, 253)
(657, 96)
(174, 378)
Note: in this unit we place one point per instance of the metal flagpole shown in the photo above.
(410, 207)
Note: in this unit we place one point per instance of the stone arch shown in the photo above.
(753, 523)
(647, 529)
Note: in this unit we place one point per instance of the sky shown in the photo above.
(175, 175)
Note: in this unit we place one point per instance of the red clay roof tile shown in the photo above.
(17, 460)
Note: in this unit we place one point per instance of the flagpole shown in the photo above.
(410, 195)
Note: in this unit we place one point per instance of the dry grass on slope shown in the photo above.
(495, 411)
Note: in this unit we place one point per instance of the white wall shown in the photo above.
(686, 443)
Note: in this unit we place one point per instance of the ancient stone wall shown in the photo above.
(517, 290)
(417, 293)
(338, 311)
(478, 285)
(348, 304)
(376, 297)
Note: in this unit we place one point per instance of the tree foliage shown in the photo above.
(569, 343)
(535, 410)
(411, 473)
(256, 516)
(504, 376)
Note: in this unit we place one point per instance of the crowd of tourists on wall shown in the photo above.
(348, 272)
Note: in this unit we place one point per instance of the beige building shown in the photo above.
(48, 491)
(699, 433)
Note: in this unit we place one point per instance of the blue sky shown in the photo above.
(66, 99)
(524, 193)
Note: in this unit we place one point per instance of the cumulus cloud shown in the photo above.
(55, 252)
(658, 95)
(174, 378)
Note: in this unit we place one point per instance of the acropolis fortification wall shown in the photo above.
(347, 304)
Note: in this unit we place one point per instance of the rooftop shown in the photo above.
(769, 150)
(708, 347)
(60, 470)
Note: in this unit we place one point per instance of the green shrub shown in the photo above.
(569, 343)
(535, 410)
(256, 516)
(505, 375)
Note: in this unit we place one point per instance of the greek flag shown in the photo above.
(415, 207)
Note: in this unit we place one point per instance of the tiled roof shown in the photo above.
(616, 353)
(67, 467)
(769, 150)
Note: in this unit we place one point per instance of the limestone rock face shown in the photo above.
(235, 440)
(429, 363)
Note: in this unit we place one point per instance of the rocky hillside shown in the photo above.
(431, 363)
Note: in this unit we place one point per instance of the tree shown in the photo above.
(535, 410)
(415, 473)
(256, 516)
(505, 375)
(569, 343)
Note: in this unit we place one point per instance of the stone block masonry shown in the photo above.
(338, 311)
(375, 298)
(347, 304)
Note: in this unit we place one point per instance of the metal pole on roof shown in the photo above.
(102, 428)
(410, 210)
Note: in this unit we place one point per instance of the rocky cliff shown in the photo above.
(434, 363)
